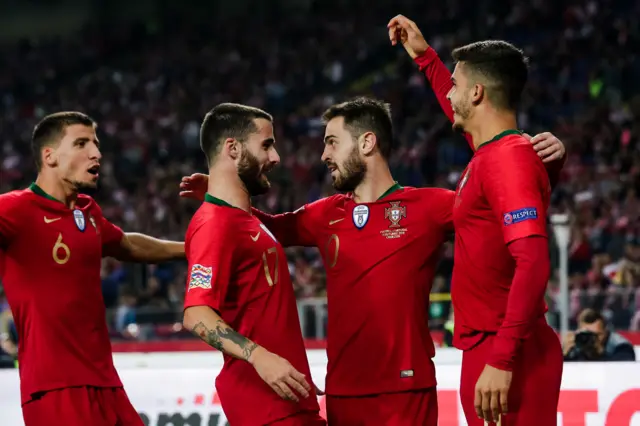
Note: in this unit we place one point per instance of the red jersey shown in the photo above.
(502, 196)
(51, 276)
(380, 260)
(240, 270)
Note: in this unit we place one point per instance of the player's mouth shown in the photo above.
(94, 170)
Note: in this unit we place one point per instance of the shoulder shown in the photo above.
(324, 204)
(10, 201)
(88, 204)
(426, 195)
(214, 220)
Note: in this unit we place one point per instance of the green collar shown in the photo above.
(208, 198)
(500, 136)
(395, 187)
(39, 191)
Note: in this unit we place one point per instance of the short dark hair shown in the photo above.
(503, 67)
(590, 316)
(228, 120)
(52, 127)
(366, 115)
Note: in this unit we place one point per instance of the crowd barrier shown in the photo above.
(178, 390)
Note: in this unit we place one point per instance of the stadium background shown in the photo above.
(148, 70)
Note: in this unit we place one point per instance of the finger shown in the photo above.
(287, 391)
(403, 22)
(527, 136)
(300, 378)
(293, 384)
(553, 157)
(277, 390)
(541, 136)
(504, 403)
(495, 405)
(477, 403)
(393, 21)
(392, 35)
(547, 152)
(541, 144)
(486, 405)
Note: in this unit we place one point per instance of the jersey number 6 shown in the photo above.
(267, 272)
(58, 247)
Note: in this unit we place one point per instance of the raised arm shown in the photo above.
(405, 31)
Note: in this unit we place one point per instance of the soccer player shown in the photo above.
(380, 244)
(53, 240)
(239, 296)
(512, 362)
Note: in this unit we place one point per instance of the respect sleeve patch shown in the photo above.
(517, 216)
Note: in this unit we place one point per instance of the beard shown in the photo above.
(352, 173)
(251, 174)
(463, 110)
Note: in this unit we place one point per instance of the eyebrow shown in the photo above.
(270, 141)
(326, 138)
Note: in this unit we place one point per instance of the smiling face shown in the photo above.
(76, 157)
(460, 98)
(257, 158)
(342, 156)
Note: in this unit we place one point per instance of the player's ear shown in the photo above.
(49, 156)
(232, 146)
(367, 143)
(478, 92)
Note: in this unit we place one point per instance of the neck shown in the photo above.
(487, 126)
(59, 189)
(228, 187)
(376, 182)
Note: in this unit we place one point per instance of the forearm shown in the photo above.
(440, 79)
(526, 299)
(205, 323)
(284, 228)
(143, 248)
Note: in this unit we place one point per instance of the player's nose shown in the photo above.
(274, 157)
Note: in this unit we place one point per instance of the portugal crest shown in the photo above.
(78, 216)
(395, 213)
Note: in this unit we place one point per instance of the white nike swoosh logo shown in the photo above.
(331, 222)
(256, 237)
(47, 220)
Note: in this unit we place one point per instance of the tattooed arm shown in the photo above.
(276, 371)
(205, 323)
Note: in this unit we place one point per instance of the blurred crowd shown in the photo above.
(149, 88)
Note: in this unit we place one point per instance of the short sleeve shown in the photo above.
(516, 186)
(210, 251)
(111, 234)
(8, 219)
(441, 207)
(298, 228)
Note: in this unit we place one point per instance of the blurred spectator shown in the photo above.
(594, 341)
(148, 86)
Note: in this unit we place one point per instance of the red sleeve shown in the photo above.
(8, 219)
(525, 304)
(440, 79)
(298, 228)
(210, 251)
(442, 208)
(111, 234)
(516, 187)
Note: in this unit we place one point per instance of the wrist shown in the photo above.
(255, 354)
(425, 58)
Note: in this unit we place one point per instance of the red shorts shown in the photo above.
(81, 406)
(409, 408)
(535, 387)
(301, 419)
